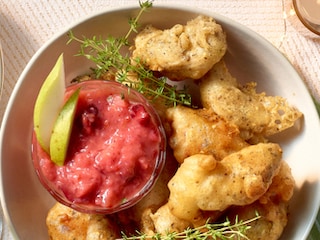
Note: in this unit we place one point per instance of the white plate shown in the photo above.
(250, 58)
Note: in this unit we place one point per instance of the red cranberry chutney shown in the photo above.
(115, 148)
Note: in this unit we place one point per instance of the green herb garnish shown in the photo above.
(317, 104)
(221, 231)
(106, 54)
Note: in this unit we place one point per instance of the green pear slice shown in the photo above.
(62, 129)
(48, 103)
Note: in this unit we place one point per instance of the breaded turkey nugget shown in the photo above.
(272, 207)
(202, 183)
(65, 223)
(201, 131)
(255, 114)
(182, 52)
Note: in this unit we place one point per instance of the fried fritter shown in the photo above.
(184, 51)
(202, 183)
(65, 223)
(256, 114)
(201, 131)
(164, 221)
(272, 207)
(158, 195)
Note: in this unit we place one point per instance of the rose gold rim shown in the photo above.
(1, 70)
(311, 26)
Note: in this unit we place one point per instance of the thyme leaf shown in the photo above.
(221, 231)
(107, 55)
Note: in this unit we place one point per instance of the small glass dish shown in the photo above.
(308, 11)
(116, 151)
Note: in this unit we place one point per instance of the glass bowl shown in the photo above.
(116, 150)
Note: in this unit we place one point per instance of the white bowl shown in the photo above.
(250, 58)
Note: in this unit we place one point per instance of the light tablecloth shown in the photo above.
(25, 25)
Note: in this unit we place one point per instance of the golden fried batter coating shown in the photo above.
(255, 114)
(202, 131)
(202, 183)
(184, 51)
(272, 207)
(282, 186)
(159, 193)
(65, 223)
(164, 221)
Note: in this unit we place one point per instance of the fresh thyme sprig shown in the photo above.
(221, 231)
(106, 54)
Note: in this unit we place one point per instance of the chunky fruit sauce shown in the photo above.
(113, 152)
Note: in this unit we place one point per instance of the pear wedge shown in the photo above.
(62, 129)
(48, 103)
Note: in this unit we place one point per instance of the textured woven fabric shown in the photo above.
(25, 25)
